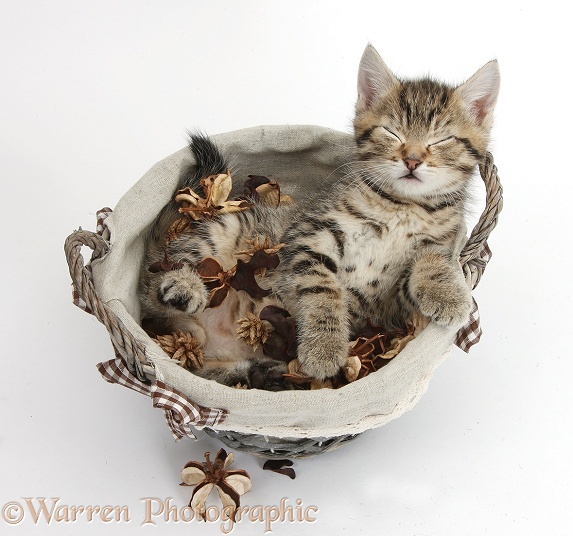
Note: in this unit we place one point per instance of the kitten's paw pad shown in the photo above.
(184, 290)
(268, 375)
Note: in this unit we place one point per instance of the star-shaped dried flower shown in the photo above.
(182, 347)
(240, 277)
(205, 476)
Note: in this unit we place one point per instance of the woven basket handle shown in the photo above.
(475, 253)
(122, 339)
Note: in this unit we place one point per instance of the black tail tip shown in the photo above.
(209, 159)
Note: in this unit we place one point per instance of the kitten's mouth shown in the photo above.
(410, 177)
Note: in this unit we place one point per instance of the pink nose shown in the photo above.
(411, 163)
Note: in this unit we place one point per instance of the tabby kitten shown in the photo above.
(380, 246)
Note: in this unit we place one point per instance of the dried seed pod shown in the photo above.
(253, 330)
(182, 347)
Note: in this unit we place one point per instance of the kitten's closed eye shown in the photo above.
(442, 141)
(393, 134)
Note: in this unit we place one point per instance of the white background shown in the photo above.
(94, 93)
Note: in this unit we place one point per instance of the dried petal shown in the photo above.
(200, 493)
(220, 459)
(252, 183)
(228, 460)
(217, 188)
(187, 195)
(239, 480)
(320, 384)
(286, 199)
(165, 265)
(244, 277)
(352, 367)
(217, 295)
(269, 194)
(178, 227)
(397, 345)
(210, 269)
(230, 498)
(257, 245)
(284, 467)
(192, 474)
(234, 206)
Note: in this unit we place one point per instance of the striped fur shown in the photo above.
(379, 246)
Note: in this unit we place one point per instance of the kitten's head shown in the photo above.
(421, 139)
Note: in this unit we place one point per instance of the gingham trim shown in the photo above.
(180, 413)
(101, 228)
(471, 333)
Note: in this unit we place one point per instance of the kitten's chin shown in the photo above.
(410, 187)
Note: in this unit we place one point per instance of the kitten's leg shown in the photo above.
(437, 286)
(260, 373)
(323, 328)
(314, 296)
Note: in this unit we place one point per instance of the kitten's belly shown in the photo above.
(371, 267)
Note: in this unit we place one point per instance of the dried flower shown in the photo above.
(178, 227)
(294, 375)
(240, 277)
(253, 330)
(216, 278)
(244, 276)
(257, 245)
(282, 345)
(182, 347)
(205, 476)
(265, 191)
(216, 189)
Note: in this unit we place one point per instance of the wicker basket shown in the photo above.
(292, 423)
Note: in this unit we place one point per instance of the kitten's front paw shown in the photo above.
(184, 290)
(445, 304)
(268, 374)
(322, 359)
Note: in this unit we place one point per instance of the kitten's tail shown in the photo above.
(208, 161)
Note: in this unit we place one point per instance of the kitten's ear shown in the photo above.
(374, 78)
(479, 93)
